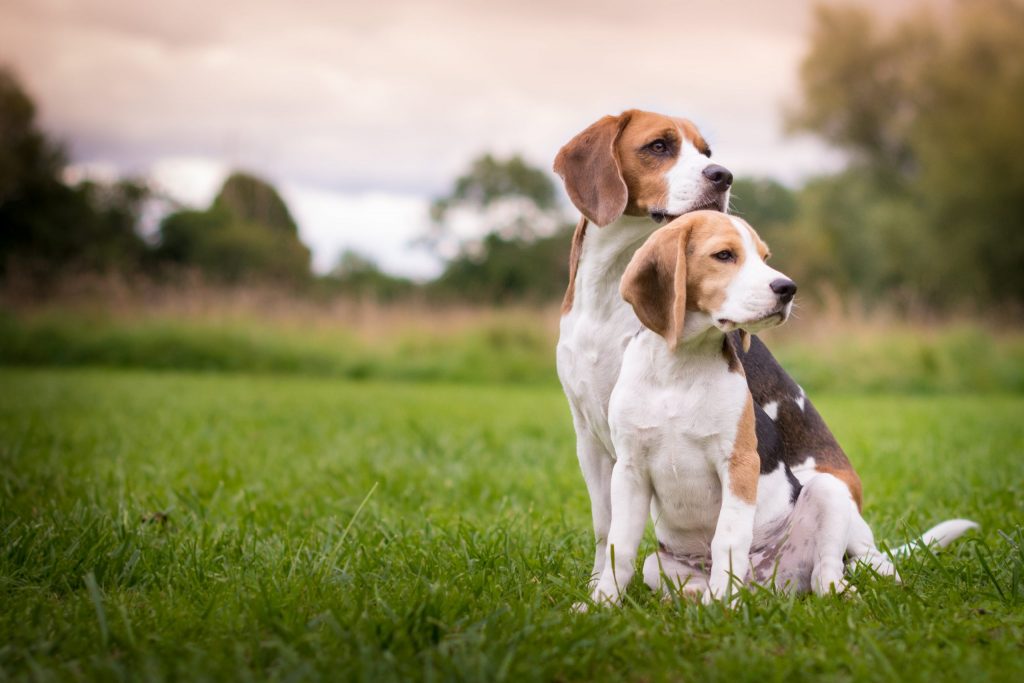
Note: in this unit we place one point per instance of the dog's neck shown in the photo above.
(700, 335)
(702, 339)
(605, 255)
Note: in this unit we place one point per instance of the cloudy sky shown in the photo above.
(362, 111)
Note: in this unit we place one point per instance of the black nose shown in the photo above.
(720, 177)
(785, 288)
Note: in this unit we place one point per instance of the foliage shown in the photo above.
(28, 159)
(251, 200)
(359, 277)
(508, 270)
(771, 208)
(490, 180)
(45, 225)
(519, 248)
(168, 526)
(246, 234)
(929, 110)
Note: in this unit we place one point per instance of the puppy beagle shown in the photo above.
(685, 429)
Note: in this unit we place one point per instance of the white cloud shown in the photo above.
(380, 225)
(193, 182)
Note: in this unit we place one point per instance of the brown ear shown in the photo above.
(654, 283)
(589, 166)
(745, 340)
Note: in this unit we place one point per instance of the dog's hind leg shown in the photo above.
(812, 555)
(862, 549)
(669, 575)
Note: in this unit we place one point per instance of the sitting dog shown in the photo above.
(627, 174)
(693, 449)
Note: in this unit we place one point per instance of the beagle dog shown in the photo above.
(693, 448)
(627, 174)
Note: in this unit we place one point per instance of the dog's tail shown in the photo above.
(939, 535)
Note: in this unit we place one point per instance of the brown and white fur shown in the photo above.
(619, 172)
(684, 429)
(626, 174)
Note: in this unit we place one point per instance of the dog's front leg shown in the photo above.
(596, 465)
(631, 502)
(730, 547)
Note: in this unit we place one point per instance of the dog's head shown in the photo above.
(706, 269)
(641, 164)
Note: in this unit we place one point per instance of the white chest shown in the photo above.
(595, 333)
(678, 422)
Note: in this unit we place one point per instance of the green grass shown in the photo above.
(207, 527)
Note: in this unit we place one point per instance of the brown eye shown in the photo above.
(725, 256)
(658, 147)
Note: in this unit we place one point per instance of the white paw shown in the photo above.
(826, 583)
(708, 596)
(580, 608)
(605, 598)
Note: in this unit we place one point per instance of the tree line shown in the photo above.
(927, 214)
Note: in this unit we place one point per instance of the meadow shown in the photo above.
(161, 524)
(828, 348)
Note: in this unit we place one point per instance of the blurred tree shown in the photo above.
(772, 208)
(929, 111)
(767, 205)
(28, 160)
(860, 84)
(518, 245)
(509, 270)
(251, 200)
(246, 234)
(45, 225)
(359, 276)
(968, 141)
(504, 196)
(490, 180)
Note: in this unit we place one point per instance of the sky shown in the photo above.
(361, 112)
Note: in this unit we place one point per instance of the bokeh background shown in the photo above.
(365, 189)
(279, 292)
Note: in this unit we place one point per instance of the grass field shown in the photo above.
(160, 525)
(827, 350)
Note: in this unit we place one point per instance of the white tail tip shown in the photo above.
(941, 535)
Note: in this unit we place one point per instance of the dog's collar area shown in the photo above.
(661, 216)
(727, 325)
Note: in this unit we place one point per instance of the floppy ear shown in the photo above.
(654, 283)
(745, 340)
(589, 166)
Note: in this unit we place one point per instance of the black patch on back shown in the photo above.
(803, 433)
(771, 450)
(769, 441)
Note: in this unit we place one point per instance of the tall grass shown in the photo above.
(266, 331)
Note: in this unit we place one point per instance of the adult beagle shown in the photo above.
(691, 446)
(627, 174)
